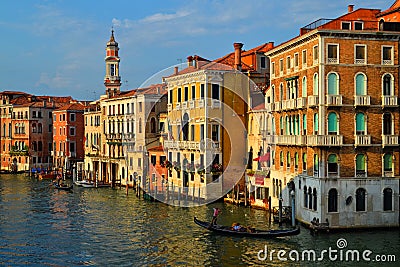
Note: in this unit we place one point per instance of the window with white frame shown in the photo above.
(296, 60)
(273, 69)
(387, 55)
(72, 131)
(315, 54)
(360, 54)
(281, 65)
(288, 65)
(304, 58)
(358, 25)
(333, 53)
(346, 25)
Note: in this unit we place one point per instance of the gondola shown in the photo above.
(63, 187)
(254, 232)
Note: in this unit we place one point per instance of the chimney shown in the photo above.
(189, 60)
(238, 55)
(350, 8)
(176, 70)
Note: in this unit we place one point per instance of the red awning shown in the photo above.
(259, 180)
(262, 158)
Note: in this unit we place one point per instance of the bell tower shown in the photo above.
(112, 80)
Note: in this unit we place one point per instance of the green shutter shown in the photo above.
(360, 122)
(304, 87)
(332, 122)
(316, 122)
(360, 162)
(360, 84)
(387, 161)
(332, 84)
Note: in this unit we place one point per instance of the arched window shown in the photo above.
(281, 159)
(387, 164)
(304, 87)
(332, 200)
(305, 196)
(316, 123)
(34, 129)
(360, 124)
(34, 146)
(316, 165)
(288, 160)
(40, 146)
(287, 132)
(152, 125)
(315, 84)
(333, 88)
(315, 199)
(332, 165)
(310, 198)
(387, 86)
(304, 124)
(387, 124)
(332, 123)
(281, 92)
(361, 85)
(360, 199)
(387, 199)
(281, 125)
(360, 165)
(304, 162)
(296, 160)
(40, 128)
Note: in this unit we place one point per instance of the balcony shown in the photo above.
(388, 174)
(312, 100)
(362, 100)
(191, 104)
(390, 140)
(325, 140)
(332, 61)
(293, 140)
(127, 136)
(169, 107)
(277, 106)
(113, 136)
(334, 100)
(184, 105)
(200, 103)
(291, 104)
(178, 106)
(389, 101)
(270, 139)
(387, 62)
(215, 103)
(362, 140)
(301, 102)
(269, 107)
(187, 145)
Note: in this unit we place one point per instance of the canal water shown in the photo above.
(40, 226)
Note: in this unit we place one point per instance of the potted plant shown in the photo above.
(177, 166)
(216, 168)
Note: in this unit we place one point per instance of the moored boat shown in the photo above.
(63, 187)
(246, 232)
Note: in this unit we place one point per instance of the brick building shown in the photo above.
(334, 113)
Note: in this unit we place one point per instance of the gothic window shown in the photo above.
(387, 87)
(332, 123)
(361, 84)
(332, 200)
(315, 199)
(305, 197)
(333, 84)
(387, 199)
(360, 165)
(310, 198)
(360, 124)
(360, 199)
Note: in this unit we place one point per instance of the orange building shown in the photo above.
(68, 135)
(334, 116)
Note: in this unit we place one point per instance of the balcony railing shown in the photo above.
(291, 140)
(388, 174)
(301, 102)
(334, 100)
(270, 139)
(169, 107)
(113, 136)
(333, 61)
(325, 140)
(200, 103)
(291, 104)
(387, 62)
(389, 100)
(313, 100)
(215, 103)
(390, 140)
(269, 107)
(362, 100)
(184, 105)
(178, 106)
(188, 145)
(191, 104)
(277, 106)
(362, 140)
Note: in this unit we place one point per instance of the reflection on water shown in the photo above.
(104, 227)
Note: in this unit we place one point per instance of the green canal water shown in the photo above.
(40, 226)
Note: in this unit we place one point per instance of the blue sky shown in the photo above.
(58, 47)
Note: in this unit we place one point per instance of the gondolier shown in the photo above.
(217, 211)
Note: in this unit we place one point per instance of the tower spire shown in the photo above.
(112, 80)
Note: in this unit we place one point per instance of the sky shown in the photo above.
(57, 47)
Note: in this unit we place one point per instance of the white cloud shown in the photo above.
(162, 17)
